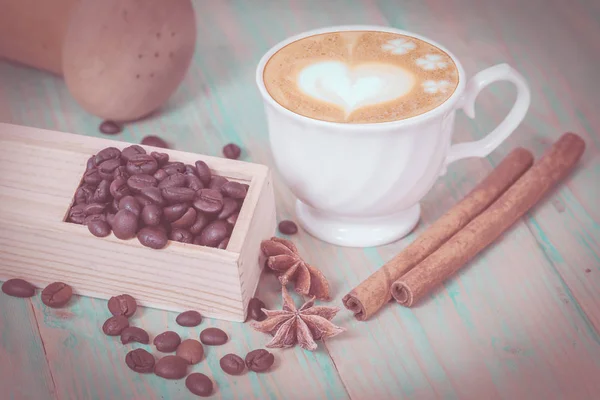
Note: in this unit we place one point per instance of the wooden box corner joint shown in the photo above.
(39, 173)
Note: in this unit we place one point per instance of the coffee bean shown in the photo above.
(109, 127)
(223, 244)
(171, 367)
(175, 211)
(139, 360)
(119, 188)
(134, 334)
(174, 168)
(288, 227)
(115, 325)
(84, 194)
(93, 208)
(56, 294)
(232, 219)
(102, 192)
(107, 168)
(167, 341)
(186, 219)
(155, 141)
(113, 207)
(152, 195)
(209, 201)
(193, 182)
(230, 206)
(234, 190)
(232, 364)
(121, 172)
(110, 217)
(213, 234)
(99, 228)
(189, 318)
(142, 164)
(213, 337)
(109, 153)
(131, 151)
(259, 360)
(90, 163)
(131, 204)
(122, 304)
(203, 172)
(217, 182)
(190, 350)
(161, 158)
(92, 177)
(160, 175)
(181, 235)
(255, 312)
(17, 287)
(152, 214)
(125, 224)
(139, 182)
(199, 384)
(201, 221)
(175, 180)
(93, 218)
(153, 237)
(77, 213)
(190, 170)
(175, 195)
(232, 151)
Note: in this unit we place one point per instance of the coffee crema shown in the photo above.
(360, 77)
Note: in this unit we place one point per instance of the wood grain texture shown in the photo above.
(520, 322)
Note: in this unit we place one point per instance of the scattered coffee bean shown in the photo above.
(102, 192)
(57, 294)
(125, 224)
(115, 325)
(167, 342)
(109, 127)
(153, 237)
(223, 244)
(209, 201)
(174, 168)
(134, 334)
(98, 228)
(213, 234)
(193, 182)
(190, 350)
(203, 172)
(175, 211)
(152, 214)
(139, 182)
(213, 337)
(17, 287)
(181, 235)
(288, 227)
(175, 180)
(201, 222)
(234, 190)
(232, 151)
(259, 360)
(199, 384)
(217, 182)
(122, 304)
(161, 158)
(232, 219)
(139, 360)
(131, 204)
(232, 364)
(171, 367)
(255, 306)
(230, 206)
(131, 151)
(155, 141)
(119, 188)
(152, 195)
(189, 318)
(186, 219)
(174, 195)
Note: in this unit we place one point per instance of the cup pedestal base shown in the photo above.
(357, 232)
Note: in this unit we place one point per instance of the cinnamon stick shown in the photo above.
(374, 292)
(554, 165)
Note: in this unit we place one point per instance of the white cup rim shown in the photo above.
(441, 109)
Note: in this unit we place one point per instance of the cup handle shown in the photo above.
(483, 147)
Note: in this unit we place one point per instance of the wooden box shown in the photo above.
(39, 173)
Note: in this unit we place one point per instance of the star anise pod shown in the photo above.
(291, 326)
(283, 258)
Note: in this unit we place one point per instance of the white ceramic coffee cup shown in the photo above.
(359, 185)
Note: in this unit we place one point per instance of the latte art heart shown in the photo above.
(353, 87)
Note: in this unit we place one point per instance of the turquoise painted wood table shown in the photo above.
(521, 321)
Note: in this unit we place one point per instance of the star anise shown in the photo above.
(291, 326)
(283, 258)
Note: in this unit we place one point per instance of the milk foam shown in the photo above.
(352, 87)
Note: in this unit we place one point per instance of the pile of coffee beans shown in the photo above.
(134, 194)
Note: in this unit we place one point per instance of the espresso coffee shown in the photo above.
(360, 77)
